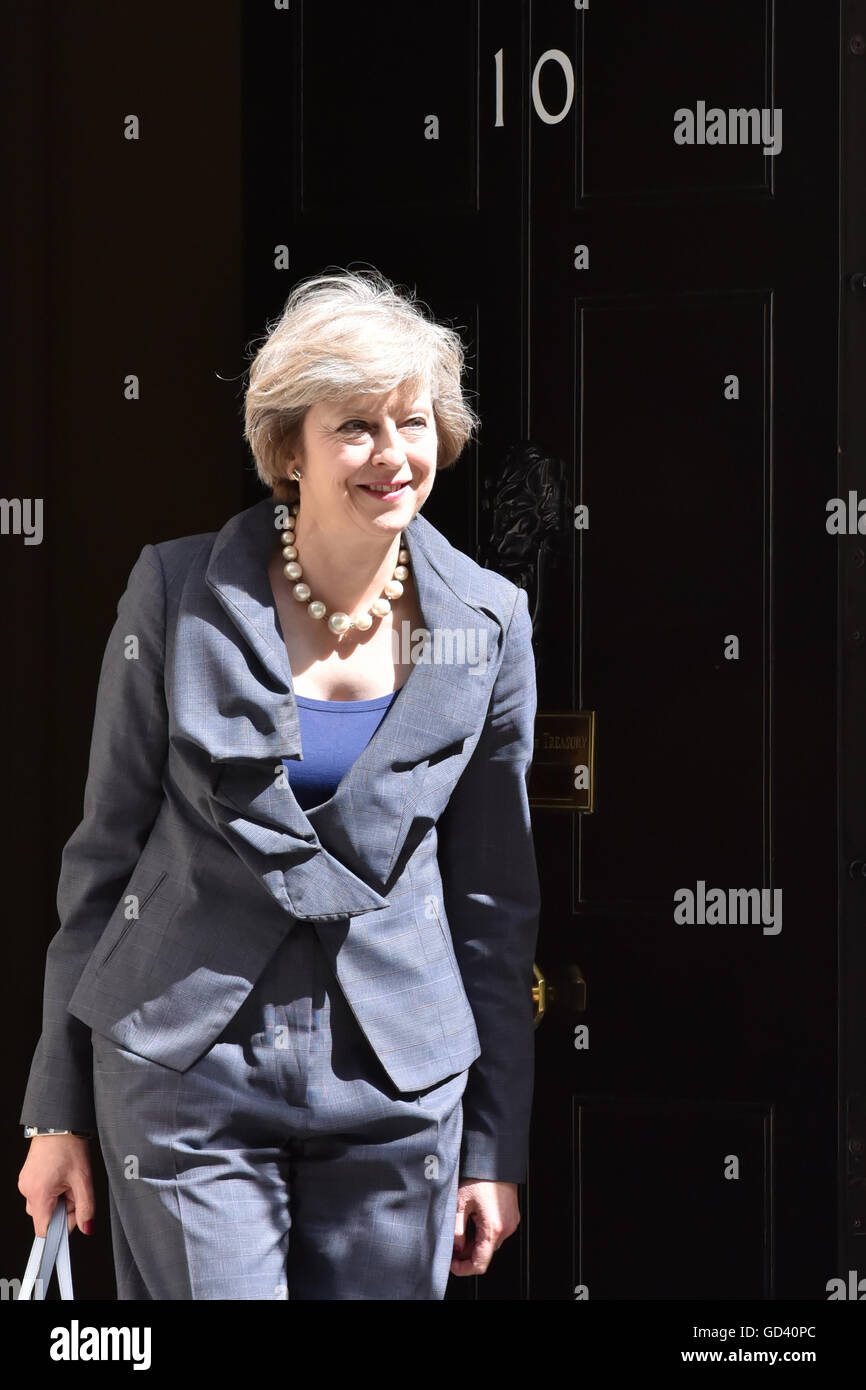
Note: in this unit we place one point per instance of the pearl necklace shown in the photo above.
(339, 622)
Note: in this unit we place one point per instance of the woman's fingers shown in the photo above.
(80, 1204)
(57, 1166)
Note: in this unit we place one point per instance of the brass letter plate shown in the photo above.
(563, 767)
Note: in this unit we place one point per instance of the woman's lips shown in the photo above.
(384, 490)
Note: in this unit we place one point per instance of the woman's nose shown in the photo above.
(389, 448)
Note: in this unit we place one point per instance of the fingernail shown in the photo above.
(87, 1227)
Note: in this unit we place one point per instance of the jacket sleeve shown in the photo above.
(122, 796)
(492, 901)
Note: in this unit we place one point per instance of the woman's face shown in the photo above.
(368, 461)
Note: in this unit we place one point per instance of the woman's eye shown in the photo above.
(418, 420)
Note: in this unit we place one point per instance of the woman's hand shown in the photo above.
(495, 1216)
(58, 1163)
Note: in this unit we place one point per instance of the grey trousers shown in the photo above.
(284, 1163)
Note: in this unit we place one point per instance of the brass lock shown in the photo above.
(567, 989)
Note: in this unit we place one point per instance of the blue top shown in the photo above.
(333, 734)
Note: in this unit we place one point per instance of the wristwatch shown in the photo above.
(31, 1130)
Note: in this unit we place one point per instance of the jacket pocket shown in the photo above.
(446, 936)
(142, 904)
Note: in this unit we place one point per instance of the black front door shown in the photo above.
(630, 211)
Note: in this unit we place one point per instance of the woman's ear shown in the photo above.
(284, 488)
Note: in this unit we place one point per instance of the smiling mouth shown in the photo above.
(384, 489)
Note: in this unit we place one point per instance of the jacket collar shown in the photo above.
(237, 574)
(366, 822)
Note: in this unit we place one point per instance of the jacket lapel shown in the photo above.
(347, 847)
(256, 713)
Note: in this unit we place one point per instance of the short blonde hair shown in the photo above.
(353, 332)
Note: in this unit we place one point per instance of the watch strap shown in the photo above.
(30, 1131)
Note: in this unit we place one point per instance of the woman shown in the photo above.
(291, 990)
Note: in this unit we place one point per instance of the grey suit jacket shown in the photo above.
(193, 858)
